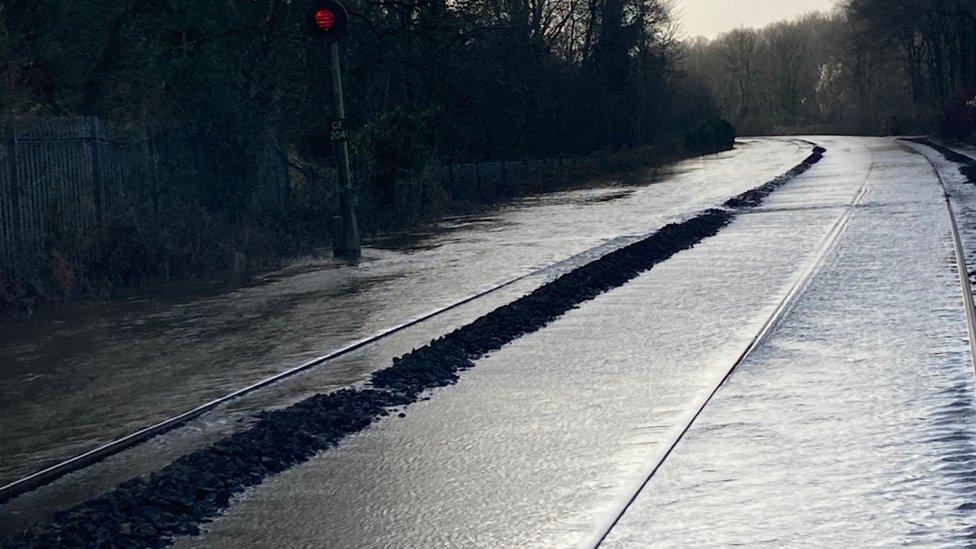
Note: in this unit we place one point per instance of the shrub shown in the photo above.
(959, 121)
(711, 137)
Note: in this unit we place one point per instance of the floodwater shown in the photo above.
(851, 424)
(70, 384)
(855, 424)
(963, 195)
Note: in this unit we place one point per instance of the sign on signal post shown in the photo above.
(326, 22)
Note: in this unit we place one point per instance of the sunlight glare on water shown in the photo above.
(110, 369)
(855, 423)
(537, 444)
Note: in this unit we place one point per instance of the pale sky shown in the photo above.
(709, 18)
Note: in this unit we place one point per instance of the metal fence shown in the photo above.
(64, 178)
(61, 177)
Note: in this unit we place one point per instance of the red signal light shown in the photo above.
(324, 19)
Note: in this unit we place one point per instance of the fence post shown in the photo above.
(151, 170)
(18, 229)
(152, 166)
(94, 135)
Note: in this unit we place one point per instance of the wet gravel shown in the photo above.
(151, 511)
(967, 166)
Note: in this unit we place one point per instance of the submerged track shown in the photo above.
(81, 461)
(961, 267)
(784, 306)
(177, 498)
(76, 463)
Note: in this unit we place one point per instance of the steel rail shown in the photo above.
(49, 474)
(784, 306)
(960, 253)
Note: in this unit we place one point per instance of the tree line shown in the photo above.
(426, 79)
(427, 82)
(869, 66)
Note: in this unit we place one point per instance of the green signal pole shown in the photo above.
(350, 248)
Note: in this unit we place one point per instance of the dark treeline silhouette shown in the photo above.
(427, 82)
(871, 66)
(427, 79)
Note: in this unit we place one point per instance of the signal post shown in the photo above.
(327, 22)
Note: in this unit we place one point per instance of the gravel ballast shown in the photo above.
(967, 166)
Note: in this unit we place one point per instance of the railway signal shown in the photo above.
(326, 22)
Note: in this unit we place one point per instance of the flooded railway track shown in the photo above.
(435, 365)
(796, 289)
(784, 306)
(76, 463)
(961, 267)
(80, 461)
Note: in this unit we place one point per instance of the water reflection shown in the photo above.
(106, 369)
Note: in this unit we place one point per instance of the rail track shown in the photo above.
(778, 314)
(783, 307)
(244, 458)
(80, 461)
(961, 267)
